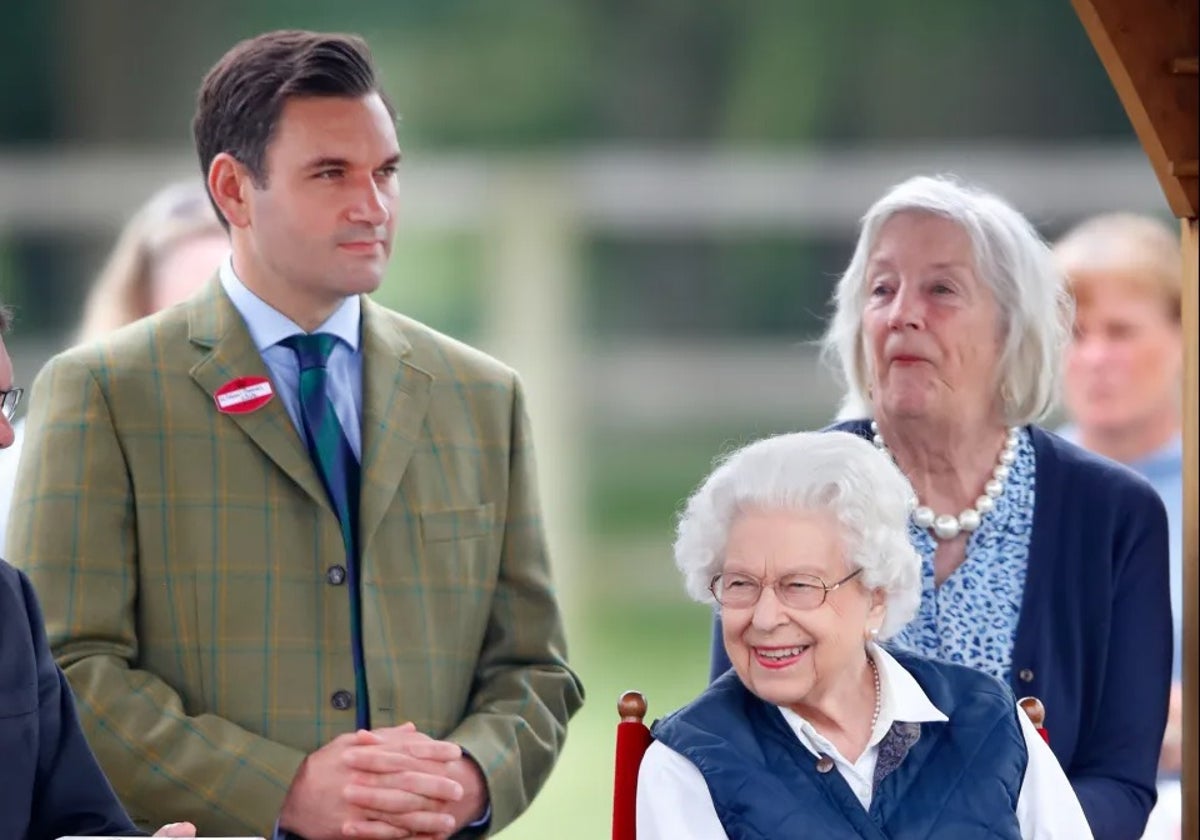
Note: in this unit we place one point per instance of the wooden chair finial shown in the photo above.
(632, 707)
(1036, 711)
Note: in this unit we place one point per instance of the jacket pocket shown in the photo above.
(456, 524)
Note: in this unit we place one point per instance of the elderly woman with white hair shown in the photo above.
(802, 541)
(1041, 564)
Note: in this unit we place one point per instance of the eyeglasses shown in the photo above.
(9, 400)
(800, 592)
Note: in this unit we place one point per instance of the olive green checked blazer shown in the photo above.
(181, 554)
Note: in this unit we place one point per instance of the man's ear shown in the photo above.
(230, 183)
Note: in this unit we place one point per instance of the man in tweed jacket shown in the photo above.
(196, 581)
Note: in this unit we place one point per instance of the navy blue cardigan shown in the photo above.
(1094, 635)
(50, 783)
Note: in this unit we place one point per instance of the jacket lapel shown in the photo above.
(396, 397)
(215, 325)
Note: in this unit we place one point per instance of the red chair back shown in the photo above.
(633, 739)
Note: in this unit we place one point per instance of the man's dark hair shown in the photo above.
(241, 98)
(6, 318)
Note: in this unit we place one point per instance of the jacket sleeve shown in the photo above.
(1115, 764)
(73, 530)
(524, 692)
(70, 793)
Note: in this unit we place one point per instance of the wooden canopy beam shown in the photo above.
(1150, 49)
(1191, 534)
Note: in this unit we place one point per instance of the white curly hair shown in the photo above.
(836, 472)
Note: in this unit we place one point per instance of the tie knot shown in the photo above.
(311, 349)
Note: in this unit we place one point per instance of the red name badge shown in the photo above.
(243, 395)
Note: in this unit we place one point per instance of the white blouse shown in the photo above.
(673, 802)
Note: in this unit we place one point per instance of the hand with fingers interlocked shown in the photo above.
(414, 781)
(384, 785)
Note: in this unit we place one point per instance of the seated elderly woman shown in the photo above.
(802, 540)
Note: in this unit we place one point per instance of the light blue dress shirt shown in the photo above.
(268, 326)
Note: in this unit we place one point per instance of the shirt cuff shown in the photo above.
(482, 821)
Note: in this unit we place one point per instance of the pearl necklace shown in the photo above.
(878, 693)
(947, 526)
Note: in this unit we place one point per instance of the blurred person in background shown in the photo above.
(289, 540)
(1042, 564)
(1122, 385)
(50, 783)
(164, 253)
(801, 541)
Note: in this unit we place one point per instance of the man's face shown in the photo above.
(321, 226)
(6, 382)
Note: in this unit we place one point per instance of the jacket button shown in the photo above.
(1025, 675)
(341, 700)
(824, 764)
(336, 575)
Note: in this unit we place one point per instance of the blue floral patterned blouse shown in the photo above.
(971, 619)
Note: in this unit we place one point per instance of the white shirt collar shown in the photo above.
(900, 700)
(268, 326)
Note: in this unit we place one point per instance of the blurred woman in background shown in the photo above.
(1123, 378)
(1041, 563)
(166, 251)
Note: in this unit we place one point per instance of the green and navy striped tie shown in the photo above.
(339, 469)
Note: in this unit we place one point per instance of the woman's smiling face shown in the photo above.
(794, 657)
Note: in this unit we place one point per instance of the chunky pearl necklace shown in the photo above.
(947, 526)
